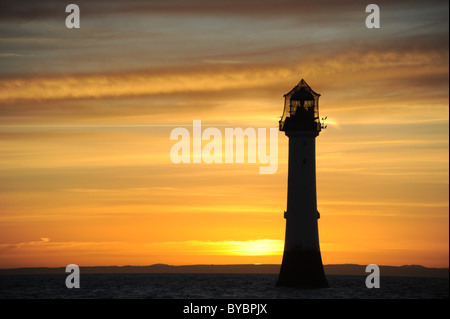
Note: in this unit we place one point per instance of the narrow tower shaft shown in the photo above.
(301, 215)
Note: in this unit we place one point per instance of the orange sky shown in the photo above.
(86, 116)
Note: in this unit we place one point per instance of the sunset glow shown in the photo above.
(86, 117)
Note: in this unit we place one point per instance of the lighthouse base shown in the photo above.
(302, 269)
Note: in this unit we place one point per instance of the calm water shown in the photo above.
(214, 286)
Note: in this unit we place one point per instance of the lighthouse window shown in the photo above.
(304, 161)
(304, 142)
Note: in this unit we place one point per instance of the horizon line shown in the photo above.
(214, 265)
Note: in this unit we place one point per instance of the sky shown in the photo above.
(86, 115)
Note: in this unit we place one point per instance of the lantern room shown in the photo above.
(301, 109)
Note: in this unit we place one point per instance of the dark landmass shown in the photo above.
(344, 269)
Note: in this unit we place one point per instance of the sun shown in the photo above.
(260, 247)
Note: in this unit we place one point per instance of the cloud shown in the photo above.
(6, 55)
(215, 79)
(29, 9)
(26, 245)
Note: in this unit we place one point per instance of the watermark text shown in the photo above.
(223, 149)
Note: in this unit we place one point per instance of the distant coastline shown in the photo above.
(340, 269)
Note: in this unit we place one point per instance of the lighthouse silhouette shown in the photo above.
(302, 262)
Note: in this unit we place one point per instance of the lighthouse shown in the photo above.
(302, 262)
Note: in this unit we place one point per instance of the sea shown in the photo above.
(214, 286)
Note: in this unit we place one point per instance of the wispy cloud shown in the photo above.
(144, 83)
(7, 55)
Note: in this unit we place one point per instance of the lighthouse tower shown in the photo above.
(302, 262)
